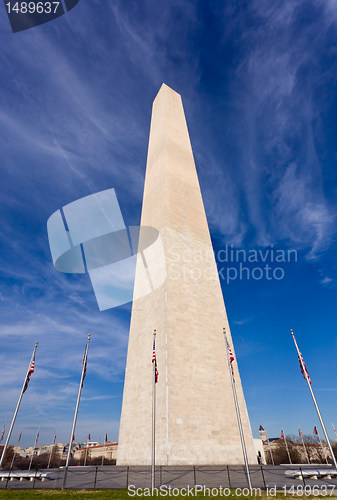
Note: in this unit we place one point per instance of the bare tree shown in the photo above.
(40, 461)
(98, 461)
(55, 460)
(334, 448)
(281, 453)
(8, 458)
(312, 447)
(82, 460)
(21, 463)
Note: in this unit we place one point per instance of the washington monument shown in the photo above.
(196, 421)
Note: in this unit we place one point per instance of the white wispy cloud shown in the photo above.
(303, 216)
(243, 321)
(276, 191)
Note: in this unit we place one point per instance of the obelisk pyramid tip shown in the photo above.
(165, 89)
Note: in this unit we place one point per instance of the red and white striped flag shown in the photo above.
(3, 433)
(30, 372)
(315, 431)
(300, 433)
(88, 437)
(85, 360)
(282, 434)
(304, 370)
(37, 437)
(106, 438)
(231, 359)
(54, 438)
(154, 360)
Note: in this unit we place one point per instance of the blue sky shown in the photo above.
(258, 83)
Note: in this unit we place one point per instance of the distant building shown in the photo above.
(263, 436)
(262, 433)
(39, 450)
(65, 447)
(90, 444)
(109, 451)
(22, 452)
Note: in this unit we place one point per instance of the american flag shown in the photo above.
(88, 437)
(304, 371)
(73, 437)
(315, 431)
(282, 434)
(85, 360)
(300, 433)
(30, 371)
(3, 433)
(37, 437)
(154, 360)
(231, 359)
(54, 438)
(106, 438)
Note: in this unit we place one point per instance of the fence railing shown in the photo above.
(173, 477)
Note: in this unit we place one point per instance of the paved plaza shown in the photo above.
(118, 477)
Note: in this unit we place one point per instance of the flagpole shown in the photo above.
(286, 446)
(301, 436)
(104, 448)
(14, 454)
(243, 444)
(84, 366)
(153, 418)
(86, 451)
(31, 458)
(306, 376)
(319, 437)
(51, 451)
(271, 454)
(17, 408)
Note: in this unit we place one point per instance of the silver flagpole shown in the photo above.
(31, 458)
(306, 376)
(17, 408)
(14, 454)
(84, 365)
(86, 451)
(305, 450)
(319, 437)
(286, 446)
(271, 454)
(104, 448)
(243, 444)
(153, 419)
(52, 447)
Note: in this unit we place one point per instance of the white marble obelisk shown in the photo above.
(196, 421)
